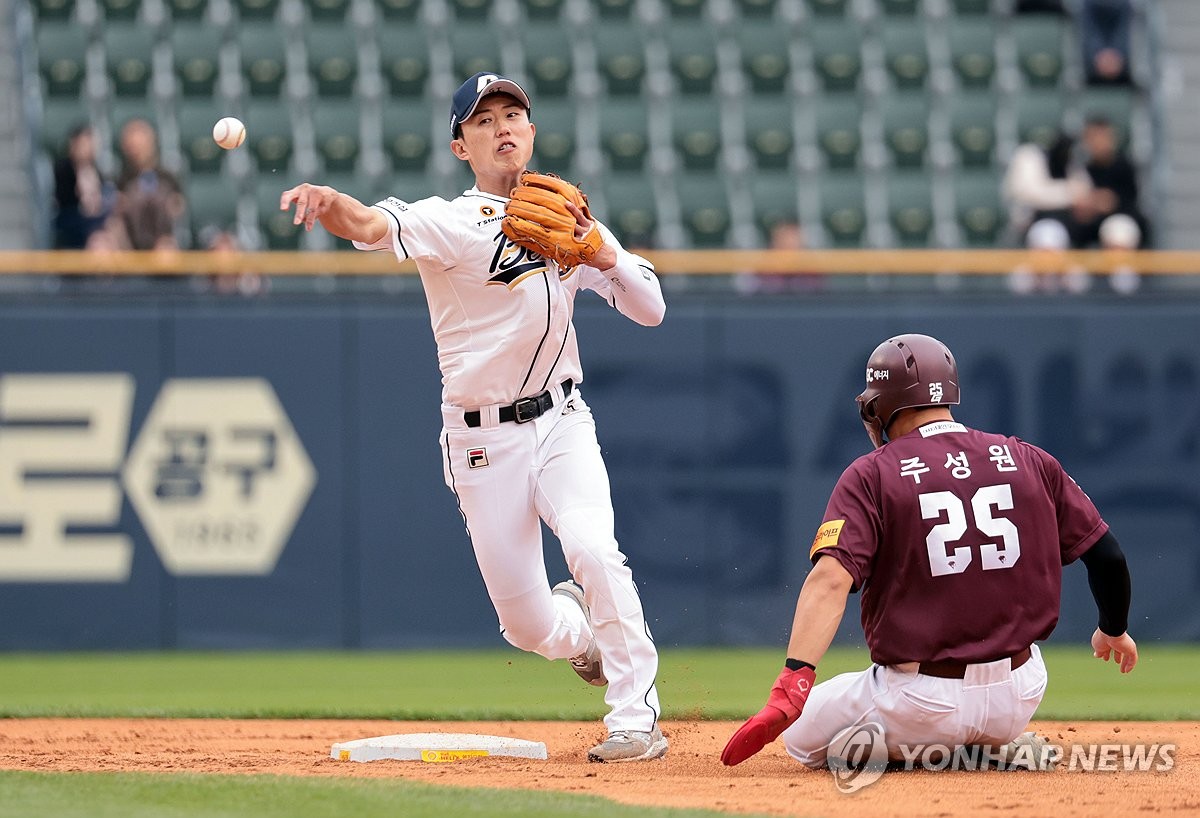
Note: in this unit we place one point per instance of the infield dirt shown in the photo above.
(690, 776)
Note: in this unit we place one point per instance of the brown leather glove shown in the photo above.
(537, 219)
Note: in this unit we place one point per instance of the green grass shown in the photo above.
(148, 795)
(507, 684)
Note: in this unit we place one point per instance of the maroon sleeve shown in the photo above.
(1079, 522)
(852, 525)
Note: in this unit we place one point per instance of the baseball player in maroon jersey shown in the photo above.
(956, 540)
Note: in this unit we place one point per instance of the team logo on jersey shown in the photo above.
(827, 536)
(512, 264)
(476, 458)
(935, 392)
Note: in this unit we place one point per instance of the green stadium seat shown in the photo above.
(548, 59)
(405, 139)
(843, 209)
(965, 7)
(973, 51)
(48, 10)
(263, 58)
(973, 129)
(408, 187)
(775, 199)
(765, 58)
(327, 11)
(769, 135)
(910, 209)
(470, 10)
(630, 210)
(404, 59)
(120, 10)
(1039, 42)
(978, 207)
(195, 53)
(399, 10)
(614, 9)
(260, 10)
(269, 134)
(542, 9)
(1117, 104)
(624, 133)
(704, 207)
(337, 134)
(906, 129)
(187, 9)
(827, 8)
(332, 59)
(128, 49)
(756, 8)
(692, 55)
(696, 132)
(683, 9)
(900, 8)
(275, 225)
(905, 53)
(195, 119)
(61, 50)
(621, 58)
(839, 129)
(837, 56)
(59, 116)
(475, 47)
(210, 204)
(1039, 116)
(554, 145)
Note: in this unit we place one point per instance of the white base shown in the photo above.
(435, 747)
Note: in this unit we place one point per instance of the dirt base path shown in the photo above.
(690, 776)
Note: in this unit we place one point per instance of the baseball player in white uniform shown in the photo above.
(518, 439)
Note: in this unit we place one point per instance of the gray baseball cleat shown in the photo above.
(587, 664)
(1029, 751)
(629, 745)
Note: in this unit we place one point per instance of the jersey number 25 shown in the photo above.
(992, 555)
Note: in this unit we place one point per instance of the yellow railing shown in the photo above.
(690, 262)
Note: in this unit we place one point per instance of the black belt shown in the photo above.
(958, 670)
(524, 410)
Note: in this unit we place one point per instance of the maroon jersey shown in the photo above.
(956, 539)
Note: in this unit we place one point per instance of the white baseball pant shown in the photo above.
(508, 475)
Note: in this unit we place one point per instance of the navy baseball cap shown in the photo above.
(466, 98)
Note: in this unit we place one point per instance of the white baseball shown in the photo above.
(229, 132)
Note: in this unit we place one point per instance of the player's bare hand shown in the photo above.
(606, 256)
(1122, 649)
(312, 202)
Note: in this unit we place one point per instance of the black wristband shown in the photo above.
(796, 664)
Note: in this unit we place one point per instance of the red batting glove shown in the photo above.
(784, 705)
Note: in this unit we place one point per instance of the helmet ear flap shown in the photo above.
(871, 421)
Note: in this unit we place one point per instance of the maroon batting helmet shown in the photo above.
(906, 372)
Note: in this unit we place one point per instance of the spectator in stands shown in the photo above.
(1104, 28)
(152, 204)
(785, 234)
(1114, 182)
(1047, 183)
(83, 197)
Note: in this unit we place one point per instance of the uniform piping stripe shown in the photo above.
(545, 335)
(398, 229)
(561, 347)
(453, 489)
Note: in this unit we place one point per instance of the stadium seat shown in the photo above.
(269, 133)
(128, 49)
(906, 128)
(692, 55)
(210, 204)
(696, 132)
(837, 57)
(120, 10)
(337, 134)
(775, 197)
(827, 8)
(327, 11)
(704, 208)
(765, 60)
(756, 8)
(769, 136)
(399, 10)
(548, 59)
(1039, 43)
(843, 209)
(187, 9)
(195, 53)
(59, 116)
(910, 208)
(48, 10)
(1117, 104)
(624, 133)
(978, 208)
(973, 129)
(61, 56)
(973, 51)
(630, 210)
(615, 9)
(260, 10)
(263, 58)
(542, 9)
(470, 10)
(275, 225)
(965, 7)
(404, 59)
(620, 58)
(405, 139)
(905, 53)
(332, 58)
(554, 146)
(1039, 116)
(900, 8)
(475, 47)
(839, 123)
(195, 120)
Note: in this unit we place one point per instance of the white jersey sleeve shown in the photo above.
(631, 286)
(420, 230)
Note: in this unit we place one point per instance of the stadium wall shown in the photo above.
(176, 474)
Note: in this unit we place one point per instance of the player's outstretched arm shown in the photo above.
(1108, 577)
(340, 214)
